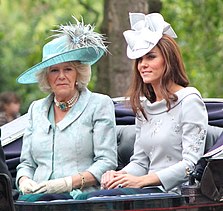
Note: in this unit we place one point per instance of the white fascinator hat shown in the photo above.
(145, 33)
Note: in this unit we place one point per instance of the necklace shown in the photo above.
(63, 106)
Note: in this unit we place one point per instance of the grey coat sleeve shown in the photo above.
(194, 129)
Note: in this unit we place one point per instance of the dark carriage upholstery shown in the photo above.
(125, 120)
(12, 156)
(6, 197)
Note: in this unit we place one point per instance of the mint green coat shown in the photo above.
(85, 140)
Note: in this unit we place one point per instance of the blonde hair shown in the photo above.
(83, 77)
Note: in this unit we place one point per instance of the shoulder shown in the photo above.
(41, 103)
(3, 118)
(189, 95)
(102, 102)
(188, 92)
(95, 101)
(193, 106)
(94, 98)
(189, 98)
(2, 115)
(99, 98)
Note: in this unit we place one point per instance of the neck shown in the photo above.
(156, 89)
(172, 88)
(65, 105)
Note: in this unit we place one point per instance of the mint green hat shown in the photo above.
(72, 42)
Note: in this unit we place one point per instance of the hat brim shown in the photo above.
(140, 52)
(87, 55)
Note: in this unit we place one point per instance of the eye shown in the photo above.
(139, 60)
(150, 56)
(68, 69)
(53, 70)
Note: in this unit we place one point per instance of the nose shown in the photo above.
(144, 63)
(61, 74)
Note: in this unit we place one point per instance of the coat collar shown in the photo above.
(74, 112)
(160, 107)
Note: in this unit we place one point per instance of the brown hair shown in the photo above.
(174, 71)
(7, 98)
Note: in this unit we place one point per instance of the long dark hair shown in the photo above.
(174, 71)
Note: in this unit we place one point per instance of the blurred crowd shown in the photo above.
(9, 107)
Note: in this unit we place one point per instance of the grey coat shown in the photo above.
(170, 143)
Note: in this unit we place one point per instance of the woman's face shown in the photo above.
(62, 78)
(151, 66)
(12, 108)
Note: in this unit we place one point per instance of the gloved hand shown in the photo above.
(60, 185)
(27, 186)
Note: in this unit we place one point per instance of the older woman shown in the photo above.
(71, 140)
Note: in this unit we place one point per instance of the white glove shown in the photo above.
(61, 185)
(27, 186)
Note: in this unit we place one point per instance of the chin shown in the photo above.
(147, 81)
(62, 92)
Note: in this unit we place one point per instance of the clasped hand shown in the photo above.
(60, 185)
(115, 179)
(28, 186)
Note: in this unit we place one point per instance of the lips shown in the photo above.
(62, 84)
(146, 72)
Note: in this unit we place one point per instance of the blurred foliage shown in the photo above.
(199, 26)
(25, 26)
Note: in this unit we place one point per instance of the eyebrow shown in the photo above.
(56, 66)
(151, 52)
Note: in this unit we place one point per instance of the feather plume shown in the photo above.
(80, 35)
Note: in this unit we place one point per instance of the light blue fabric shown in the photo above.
(75, 193)
(170, 142)
(86, 55)
(51, 116)
(85, 140)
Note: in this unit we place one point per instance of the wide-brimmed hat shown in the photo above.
(72, 42)
(145, 33)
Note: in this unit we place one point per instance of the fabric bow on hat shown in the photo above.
(145, 33)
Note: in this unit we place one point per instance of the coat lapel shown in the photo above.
(76, 110)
